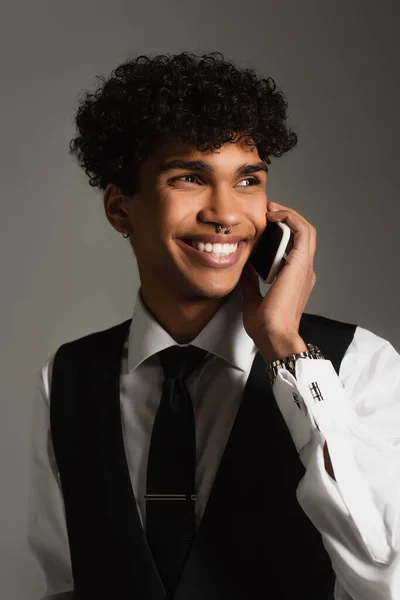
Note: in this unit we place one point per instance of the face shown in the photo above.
(181, 203)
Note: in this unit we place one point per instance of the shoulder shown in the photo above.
(353, 345)
(96, 337)
(78, 346)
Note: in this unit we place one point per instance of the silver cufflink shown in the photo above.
(316, 392)
(296, 401)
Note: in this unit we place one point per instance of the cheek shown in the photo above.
(258, 216)
(178, 218)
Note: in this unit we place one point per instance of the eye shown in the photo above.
(254, 180)
(182, 176)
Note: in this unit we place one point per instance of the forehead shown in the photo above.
(228, 155)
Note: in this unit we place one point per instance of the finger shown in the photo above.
(290, 245)
(274, 207)
(301, 230)
(313, 240)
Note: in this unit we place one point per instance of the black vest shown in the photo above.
(253, 537)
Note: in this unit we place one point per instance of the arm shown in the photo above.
(47, 534)
(358, 420)
(287, 348)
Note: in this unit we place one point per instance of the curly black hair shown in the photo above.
(204, 101)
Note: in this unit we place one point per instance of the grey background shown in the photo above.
(65, 272)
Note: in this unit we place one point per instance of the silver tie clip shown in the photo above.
(170, 497)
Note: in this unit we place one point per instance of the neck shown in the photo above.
(182, 319)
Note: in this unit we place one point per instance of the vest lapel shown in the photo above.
(122, 514)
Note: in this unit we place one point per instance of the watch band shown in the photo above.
(288, 362)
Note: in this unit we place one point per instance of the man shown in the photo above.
(170, 458)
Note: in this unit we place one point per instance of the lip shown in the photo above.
(209, 260)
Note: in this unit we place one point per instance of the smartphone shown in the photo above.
(269, 251)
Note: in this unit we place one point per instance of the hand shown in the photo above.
(277, 315)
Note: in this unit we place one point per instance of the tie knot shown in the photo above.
(179, 362)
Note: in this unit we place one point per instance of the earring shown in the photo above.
(125, 236)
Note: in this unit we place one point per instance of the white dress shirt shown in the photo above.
(359, 418)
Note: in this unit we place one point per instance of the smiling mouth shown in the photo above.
(209, 258)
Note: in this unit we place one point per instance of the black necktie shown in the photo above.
(170, 487)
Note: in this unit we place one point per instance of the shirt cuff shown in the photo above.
(291, 404)
(314, 399)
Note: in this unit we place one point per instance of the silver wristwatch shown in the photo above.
(289, 362)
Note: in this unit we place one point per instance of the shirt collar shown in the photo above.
(223, 336)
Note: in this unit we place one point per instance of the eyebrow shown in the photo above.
(201, 165)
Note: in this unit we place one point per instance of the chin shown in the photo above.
(210, 290)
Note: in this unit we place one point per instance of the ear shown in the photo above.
(114, 206)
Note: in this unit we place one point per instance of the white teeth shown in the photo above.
(220, 249)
